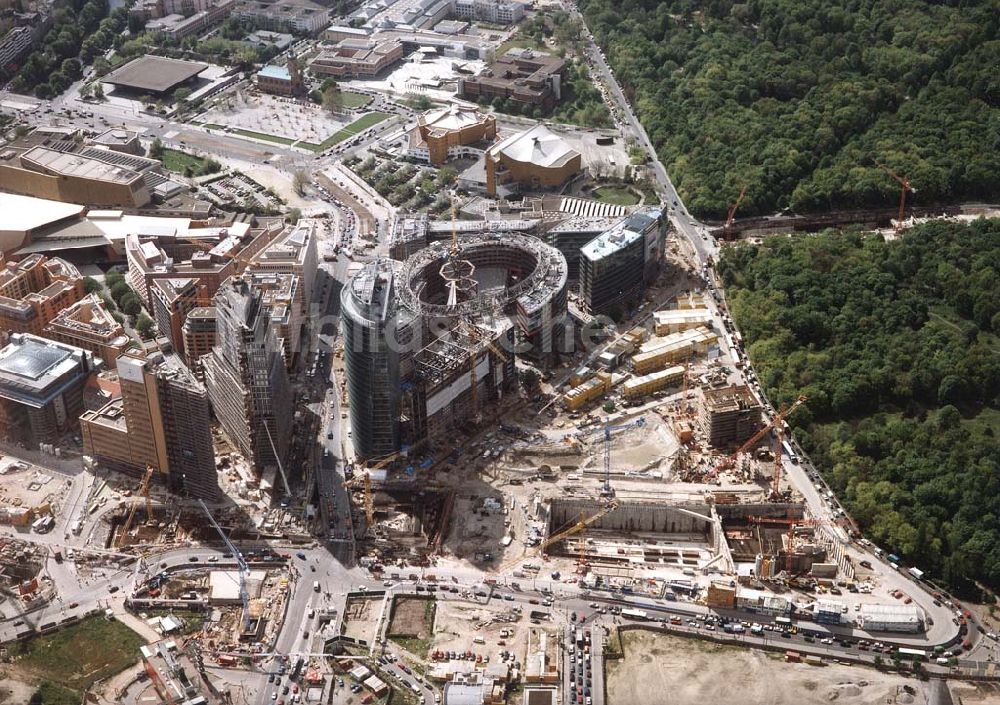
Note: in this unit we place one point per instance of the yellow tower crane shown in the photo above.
(144, 493)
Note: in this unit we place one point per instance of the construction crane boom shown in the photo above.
(144, 493)
(728, 461)
(905, 186)
(607, 430)
(731, 216)
(564, 534)
(364, 480)
(240, 562)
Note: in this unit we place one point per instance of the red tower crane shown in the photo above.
(732, 212)
(904, 184)
(728, 461)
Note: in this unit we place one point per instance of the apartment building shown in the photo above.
(34, 291)
(173, 299)
(160, 421)
(88, 326)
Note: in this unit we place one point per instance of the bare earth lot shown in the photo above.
(696, 672)
(412, 616)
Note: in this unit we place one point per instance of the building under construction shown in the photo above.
(729, 416)
(429, 341)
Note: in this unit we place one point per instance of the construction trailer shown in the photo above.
(638, 387)
(594, 388)
(660, 352)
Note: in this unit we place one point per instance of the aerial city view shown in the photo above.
(499, 352)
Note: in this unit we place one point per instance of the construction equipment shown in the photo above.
(144, 493)
(478, 337)
(607, 430)
(776, 420)
(731, 216)
(564, 534)
(244, 570)
(776, 475)
(792, 525)
(365, 480)
(904, 184)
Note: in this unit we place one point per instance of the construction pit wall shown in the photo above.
(643, 536)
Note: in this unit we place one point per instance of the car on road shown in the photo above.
(193, 559)
(74, 604)
(213, 559)
(300, 555)
(113, 589)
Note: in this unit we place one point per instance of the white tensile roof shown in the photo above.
(539, 146)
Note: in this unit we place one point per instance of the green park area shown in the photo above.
(70, 660)
(356, 127)
(616, 195)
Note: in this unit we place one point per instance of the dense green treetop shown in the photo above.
(799, 98)
(896, 345)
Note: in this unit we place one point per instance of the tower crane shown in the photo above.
(731, 216)
(562, 535)
(607, 430)
(144, 493)
(905, 186)
(240, 562)
(478, 337)
(365, 481)
(776, 420)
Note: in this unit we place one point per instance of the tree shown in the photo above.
(182, 94)
(91, 285)
(155, 150)
(299, 181)
(112, 278)
(530, 379)
(119, 290)
(333, 101)
(131, 305)
(98, 90)
(609, 407)
(144, 326)
(293, 215)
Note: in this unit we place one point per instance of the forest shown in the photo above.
(800, 100)
(81, 32)
(897, 347)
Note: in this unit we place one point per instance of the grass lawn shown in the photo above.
(519, 42)
(359, 125)
(416, 646)
(94, 649)
(177, 161)
(616, 195)
(350, 99)
(260, 135)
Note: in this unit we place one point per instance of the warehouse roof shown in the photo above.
(79, 165)
(154, 73)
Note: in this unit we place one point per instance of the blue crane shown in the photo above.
(243, 568)
(607, 429)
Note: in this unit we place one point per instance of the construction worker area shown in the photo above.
(650, 467)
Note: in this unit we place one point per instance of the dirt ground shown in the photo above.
(412, 616)
(360, 615)
(696, 672)
(456, 628)
(14, 692)
(976, 693)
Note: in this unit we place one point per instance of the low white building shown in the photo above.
(890, 618)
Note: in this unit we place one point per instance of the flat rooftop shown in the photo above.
(79, 165)
(154, 73)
